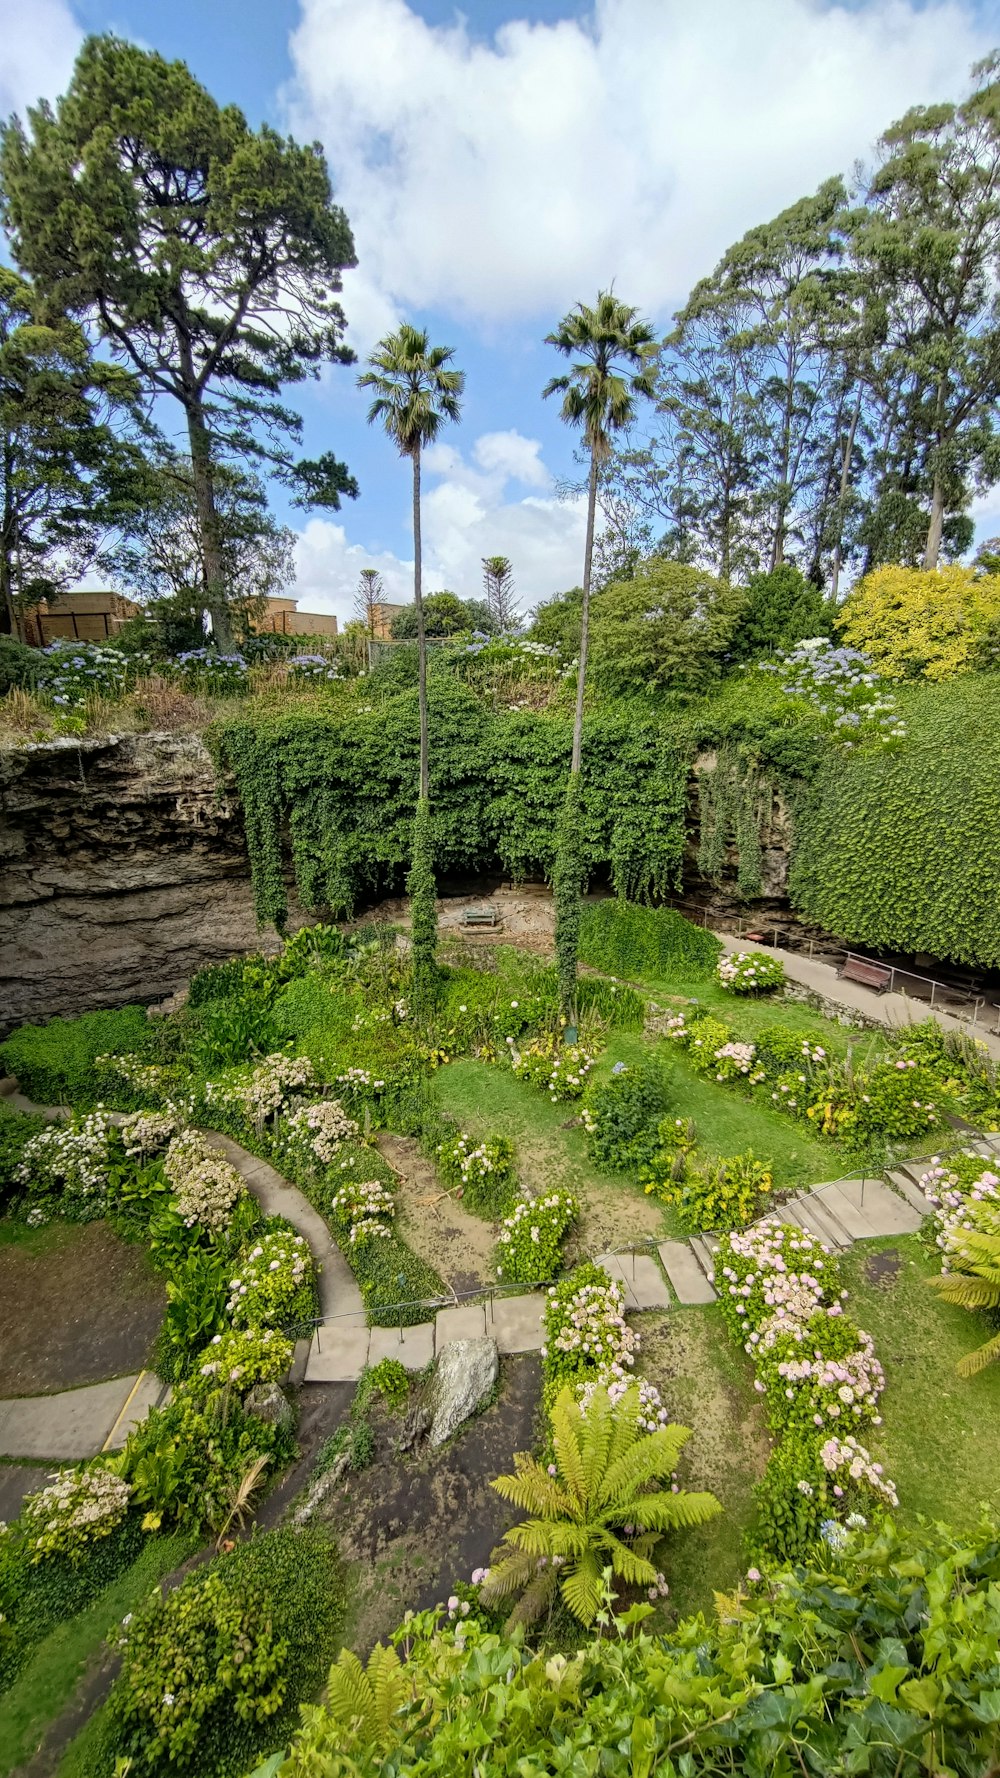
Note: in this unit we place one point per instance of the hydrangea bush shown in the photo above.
(749, 972)
(965, 1193)
(145, 1133)
(262, 1091)
(481, 1172)
(75, 1509)
(245, 1356)
(364, 1209)
(206, 1188)
(587, 1338)
(273, 1284)
(314, 1134)
(530, 1240)
(559, 1069)
(63, 1171)
(842, 685)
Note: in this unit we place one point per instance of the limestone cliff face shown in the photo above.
(122, 871)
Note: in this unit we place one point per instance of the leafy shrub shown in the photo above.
(363, 1210)
(213, 1672)
(222, 981)
(18, 665)
(749, 972)
(313, 1135)
(530, 1238)
(896, 1100)
(388, 1378)
(36, 1597)
(623, 1008)
(206, 1187)
(262, 1089)
(55, 1064)
(917, 622)
(622, 1117)
(721, 1195)
(645, 942)
(188, 1461)
(272, 1284)
(780, 1049)
(196, 1309)
(482, 1172)
(559, 1069)
(703, 1038)
(244, 1356)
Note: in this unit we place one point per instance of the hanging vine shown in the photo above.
(735, 803)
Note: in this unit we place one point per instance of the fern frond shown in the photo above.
(535, 1599)
(350, 1697)
(581, 1588)
(629, 1563)
(596, 1432)
(388, 1687)
(651, 1458)
(513, 1571)
(966, 1292)
(566, 1437)
(680, 1511)
(974, 1362)
(534, 1491)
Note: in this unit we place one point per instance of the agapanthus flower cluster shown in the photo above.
(530, 1238)
(206, 1187)
(63, 1171)
(146, 1132)
(365, 1208)
(317, 1131)
(77, 1507)
(271, 1285)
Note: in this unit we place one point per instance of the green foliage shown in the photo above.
(483, 1172)
(421, 888)
(55, 1063)
(727, 1193)
(668, 629)
(735, 800)
(17, 1129)
(973, 1282)
(388, 1378)
(18, 665)
(585, 1517)
(188, 1461)
(444, 615)
(645, 942)
(781, 608)
(34, 1598)
(898, 848)
(750, 972)
(622, 1117)
(567, 889)
(213, 1671)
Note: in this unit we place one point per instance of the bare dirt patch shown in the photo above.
(526, 913)
(612, 1215)
(680, 1355)
(416, 1525)
(436, 1225)
(77, 1305)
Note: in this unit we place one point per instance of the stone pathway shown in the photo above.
(76, 1423)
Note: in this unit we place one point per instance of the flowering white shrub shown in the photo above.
(364, 1208)
(965, 1194)
(734, 1059)
(528, 1245)
(206, 1187)
(264, 1089)
(314, 1133)
(63, 1171)
(586, 1335)
(749, 972)
(79, 1506)
(559, 1069)
(272, 1284)
(146, 1132)
(155, 1081)
(245, 1357)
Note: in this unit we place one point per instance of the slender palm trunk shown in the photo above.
(421, 635)
(845, 479)
(588, 558)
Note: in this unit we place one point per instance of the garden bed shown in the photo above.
(433, 1220)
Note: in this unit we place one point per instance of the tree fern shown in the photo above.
(975, 1285)
(362, 1703)
(604, 1508)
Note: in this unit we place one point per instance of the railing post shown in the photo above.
(933, 987)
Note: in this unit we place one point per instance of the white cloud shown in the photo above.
(510, 177)
(40, 42)
(468, 513)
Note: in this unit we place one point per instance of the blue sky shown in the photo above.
(499, 164)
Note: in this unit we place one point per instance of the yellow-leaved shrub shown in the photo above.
(923, 623)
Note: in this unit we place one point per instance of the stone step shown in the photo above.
(821, 1221)
(413, 1347)
(465, 1321)
(686, 1275)
(913, 1170)
(337, 1355)
(703, 1254)
(640, 1278)
(517, 1323)
(904, 1185)
(848, 1214)
(881, 1206)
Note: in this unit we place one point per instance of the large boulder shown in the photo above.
(268, 1402)
(466, 1376)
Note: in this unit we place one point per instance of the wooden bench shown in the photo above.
(481, 917)
(870, 975)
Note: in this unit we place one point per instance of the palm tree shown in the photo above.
(598, 1496)
(611, 350)
(975, 1286)
(612, 353)
(414, 392)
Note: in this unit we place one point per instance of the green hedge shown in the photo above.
(16, 1129)
(655, 943)
(54, 1063)
(900, 848)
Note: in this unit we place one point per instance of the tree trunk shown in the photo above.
(216, 601)
(932, 549)
(588, 558)
(845, 478)
(421, 635)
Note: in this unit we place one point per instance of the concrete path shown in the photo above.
(895, 1011)
(67, 1426)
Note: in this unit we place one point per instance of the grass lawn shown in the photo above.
(706, 1385)
(940, 1438)
(47, 1683)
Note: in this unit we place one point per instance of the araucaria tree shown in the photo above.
(206, 255)
(498, 590)
(368, 598)
(415, 390)
(611, 351)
